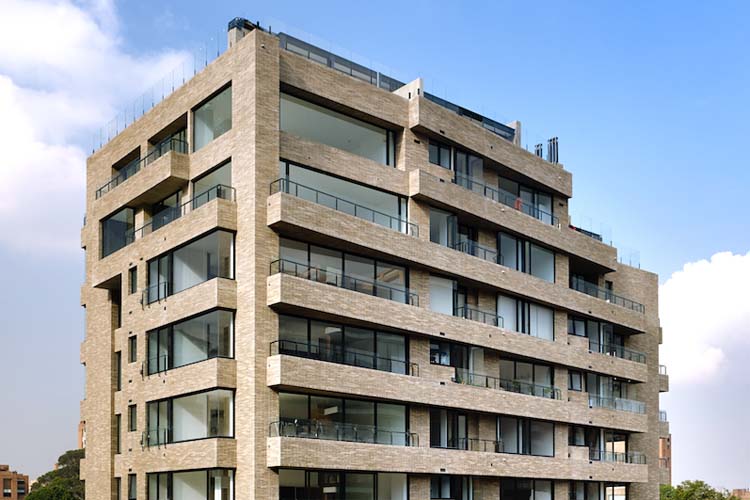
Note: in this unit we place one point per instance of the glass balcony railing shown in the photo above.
(335, 431)
(472, 444)
(620, 404)
(631, 457)
(617, 351)
(378, 289)
(128, 171)
(506, 198)
(343, 357)
(345, 206)
(581, 285)
(464, 376)
(156, 437)
(663, 416)
(473, 248)
(473, 314)
(171, 214)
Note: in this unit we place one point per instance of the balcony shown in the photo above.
(663, 416)
(336, 431)
(473, 314)
(617, 351)
(343, 357)
(472, 444)
(663, 379)
(506, 198)
(368, 287)
(619, 404)
(473, 248)
(345, 206)
(631, 457)
(464, 376)
(581, 285)
(136, 166)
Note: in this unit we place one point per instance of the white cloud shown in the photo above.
(705, 314)
(63, 73)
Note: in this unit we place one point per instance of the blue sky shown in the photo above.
(649, 100)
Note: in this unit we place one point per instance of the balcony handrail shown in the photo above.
(472, 444)
(583, 286)
(171, 214)
(506, 198)
(464, 376)
(334, 278)
(160, 366)
(662, 369)
(474, 314)
(620, 404)
(135, 166)
(156, 436)
(155, 292)
(336, 431)
(663, 416)
(617, 351)
(342, 356)
(340, 204)
(473, 248)
(630, 457)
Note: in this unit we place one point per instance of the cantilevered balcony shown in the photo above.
(631, 457)
(397, 294)
(488, 318)
(617, 351)
(581, 285)
(337, 431)
(464, 376)
(473, 248)
(619, 404)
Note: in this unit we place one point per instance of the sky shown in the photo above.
(649, 100)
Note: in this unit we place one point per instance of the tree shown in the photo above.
(63, 483)
(693, 490)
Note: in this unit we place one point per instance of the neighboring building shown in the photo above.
(305, 279)
(15, 485)
(742, 494)
(665, 456)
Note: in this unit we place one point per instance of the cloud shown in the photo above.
(63, 73)
(705, 315)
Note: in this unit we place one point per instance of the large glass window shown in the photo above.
(297, 484)
(535, 379)
(448, 429)
(536, 203)
(526, 317)
(211, 185)
(469, 171)
(527, 257)
(117, 230)
(211, 484)
(207, 336)
(440, 154)
(212, 118)
(525, 436)
(441, 294)
(451, 487)
(325, 126)
(211, 256)
(197, 416)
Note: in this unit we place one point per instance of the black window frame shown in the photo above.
(441, 149)
(133, 280)
(132, 418)
(132, 487)
(118, 434)
(523, 435)
(132, 348)
(523, 253)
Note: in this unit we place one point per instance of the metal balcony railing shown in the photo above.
(464, 376)
(487, 318)
(506, 198)
(631, 457)
(132, 168)
(617, 351)
(343, 357)
(390, 292)
(345, 206)
(620, 404)
(581, 285)
(471, 444)
(473, 248)
(335, 431)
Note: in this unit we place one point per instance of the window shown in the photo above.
(526, 257)
(526, 317)
(451, 487)
(209, 257)
(526, 437)
(325, 126)
(132, 487)
(212, 118)
(536, 203)
(576, 380)
(118, 432)
(132, 349)
(448, 429)
(441, 294)
(584, 490)
(211, 484)
(443, 227)
(117, 230)
(207, 414)
(118, 371)
(133, 280)
(440, 154)
(118, 488)
(209, 186)
(469, 171)
(208, 335)
(132, 418)
(526, 489)
(296, 484)
(449, 354)
(21, 487)
(7, 492)
(536, 379)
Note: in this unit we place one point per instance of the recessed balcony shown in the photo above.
(617, 351)
(467, 377)
(338, 431)
(630, 457)
(580, 285)
(619, 404)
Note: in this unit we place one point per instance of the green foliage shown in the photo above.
(62, 483)
(693, 490)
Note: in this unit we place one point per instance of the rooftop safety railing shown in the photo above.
(471, 444)
(630, 457)
(171, 214)
(343, 356)
(663, 416)
(337, 431)
(473, 248)
(369, 287)
(464, 376)
(345, 206)
(617, 351)
(473, 314)
(620, 404)
(504, 131)
(132, 168)
(506, 198)
(581, 285)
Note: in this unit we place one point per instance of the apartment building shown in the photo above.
(308, 280)
(15, 485)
